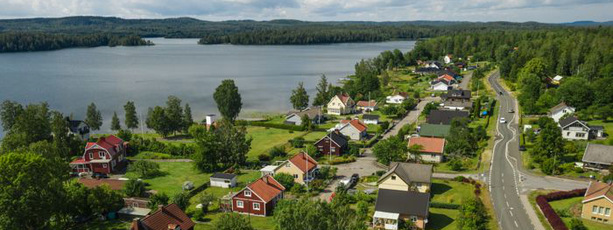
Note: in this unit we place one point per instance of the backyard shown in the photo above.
(266, 138)
(568, 209)
(174, 174)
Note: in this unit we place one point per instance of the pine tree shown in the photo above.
(131, 119)
(300, 98)
(93, 117)
(187, 118)
(323, 92)
(115, 124)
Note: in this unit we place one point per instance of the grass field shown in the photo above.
(442, 219)
(446, 191)
(106, 225)
(259, 223)
(314, 136)
(266, 138)
(573, 207)
(174, 175)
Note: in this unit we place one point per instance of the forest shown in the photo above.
(24, 42)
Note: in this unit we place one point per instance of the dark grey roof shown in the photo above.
(370, 117)
(596, 127)
(73, 125)
(444, 116)
(403, 202)
(446, 71)
(457, 93)
(339, 139)
(427, 70)
(569, 120)
(410, 172)
(596, 153)
(223, 175)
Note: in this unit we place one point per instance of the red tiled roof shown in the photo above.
(356, 123)
(597, 189)
(344, 98)
(108, 143)
(168, 215)
(370, 103)
(92, 183)
(446, 77)
(266, 188)
(300, 161)
(429, 144)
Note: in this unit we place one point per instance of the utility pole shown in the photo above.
(307, 169)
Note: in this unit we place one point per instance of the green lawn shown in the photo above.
(446, 191)
(442, 219)
(573, 207)
(175, 174)
(266, 138)
(259, 223)
(106, 225)
(314, 136)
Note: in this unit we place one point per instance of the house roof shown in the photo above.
(429, 144)
(266, 188)
(163, 218)
(570, 120)
(371, 103)
(344, 97)
(596, 127)
(73, 125)
(447, 71)
(446, 77)
(557, 78)
(410, 172)
(444, 116)
(357, 124)
(465, 104)
(223, 176)
(92, 183)
(338, 138)
(598, 189)
(108, 143)
(558, 108)
(457, 93)
(370, 117)
(597, 153)
(312, 113)
(300, 160)
(403, 202)
(436, 82)
(434, 130)
(427, 70)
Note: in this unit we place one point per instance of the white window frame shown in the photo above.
(413, 218)
(240, 204)
(607, 211)
(105, 166)
(601, 210)
(594, 209)
(247, 193)
(102, 154)
(256, 204)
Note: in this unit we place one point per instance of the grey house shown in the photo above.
(314, 113)
(597, 156)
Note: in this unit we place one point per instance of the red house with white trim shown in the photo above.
(258, 198)
(103, 156)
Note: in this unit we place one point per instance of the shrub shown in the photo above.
(577, 224)
(459, 178)
(124, 134)
(552, 217)
(264, 157)
(456, 164)
(285, 179)
(181, 200)
(277, 151)
(145, 169)
(380, 172)
(342, 160)
(157, 199)
(134, 188)
(384, 125)
(297, 142)
(444, 205)
(297, 189)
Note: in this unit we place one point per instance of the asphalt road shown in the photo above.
(504, 174)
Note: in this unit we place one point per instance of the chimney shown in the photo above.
(161, 207)
(338, 132)
(265, 179)
(210, 118)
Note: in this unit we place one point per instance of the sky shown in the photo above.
(549, 11)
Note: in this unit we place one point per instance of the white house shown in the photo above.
(223, 180)
(558, 111)
(447, 58)
(78, 128)
(397, 98)
(340, 105)
(439, 86)
(370, 119)
(354, 129)
(575, 129)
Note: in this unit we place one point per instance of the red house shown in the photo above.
(258, 198)
(169, 217)
(333, 143)
(103, 156)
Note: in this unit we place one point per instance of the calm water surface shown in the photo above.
(70, 79)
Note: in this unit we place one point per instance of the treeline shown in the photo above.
(529, 59)
(23, 42)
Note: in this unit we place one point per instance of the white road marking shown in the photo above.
(516, 225)
(507, 203)
(510, 212)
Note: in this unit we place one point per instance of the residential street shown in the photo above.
(466, 81)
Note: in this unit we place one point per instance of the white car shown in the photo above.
(502, 120)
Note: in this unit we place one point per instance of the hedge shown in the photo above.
(444, 205)
(552, 217)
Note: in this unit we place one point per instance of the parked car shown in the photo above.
(511, 111)
(502, 120)
(354, 178)
(522, 148)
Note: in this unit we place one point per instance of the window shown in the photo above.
(333, 149)
(295, 176)
(287, 165)
(239, 204)
(580, 135)
(393, 177)
(102, 154)
(595, 209)
(104, 166)
(413, 219)
(248, 193)
(256, 206)
(91, 155)
(593, 218)
(607, 211)
(600, 210)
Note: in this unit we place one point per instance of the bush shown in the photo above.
(157, 199)
(456, 164)
(380, 172)
(264, 157)
(270, 125)
(384, 125)
(277, 151)
(577, 224)
(134, 188)
(444, 205)
(124, 134)
(181, 199)
(297, 142)
(342, 160)
(297, 189)
(552, 217)
(232, 221)
(285, 179)
(459, 178)
(145, 169)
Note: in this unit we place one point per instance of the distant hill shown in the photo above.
(588, 23)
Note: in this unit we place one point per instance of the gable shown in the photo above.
(398, 181)
(335, 102)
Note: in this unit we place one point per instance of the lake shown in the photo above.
(70, 79)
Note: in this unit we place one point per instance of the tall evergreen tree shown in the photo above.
(228, 100)
(93, 117)
(323, 92)
(187, 118)
(174, 113)
(131, 119)
(300, 98)
(115, 124)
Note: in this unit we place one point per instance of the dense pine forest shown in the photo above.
(529, 59)
(20, 42)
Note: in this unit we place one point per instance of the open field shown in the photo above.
(446, 191)
(266, 138)
(174, 175)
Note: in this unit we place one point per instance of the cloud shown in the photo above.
(377, 10)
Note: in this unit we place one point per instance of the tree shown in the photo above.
(207, 147)
(389, 150)
(188, 121)
(93, 117)
(461, 141)
(234, 144)
(31, 126)
(307, 124)
(145, 169)
(362, 210)
(31, 191)
(323, 92)
(205, 199)
(131, 119)
(115, 124)
(385, 79)
(285, 179)
(174, 113)
(305, 214)
(232, 221)
(134, 188)
(577, 224)
(156, 200)
(159, 121)
(300, 98)
(9, 112)
(102, 199)
(549, 143)
(228, 100)
(472, 215)
(181, 199)
(577, 92)
(64, 144)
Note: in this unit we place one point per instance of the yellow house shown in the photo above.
(598, 202)
(404, 195)
(301, 167)
(340, 105)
